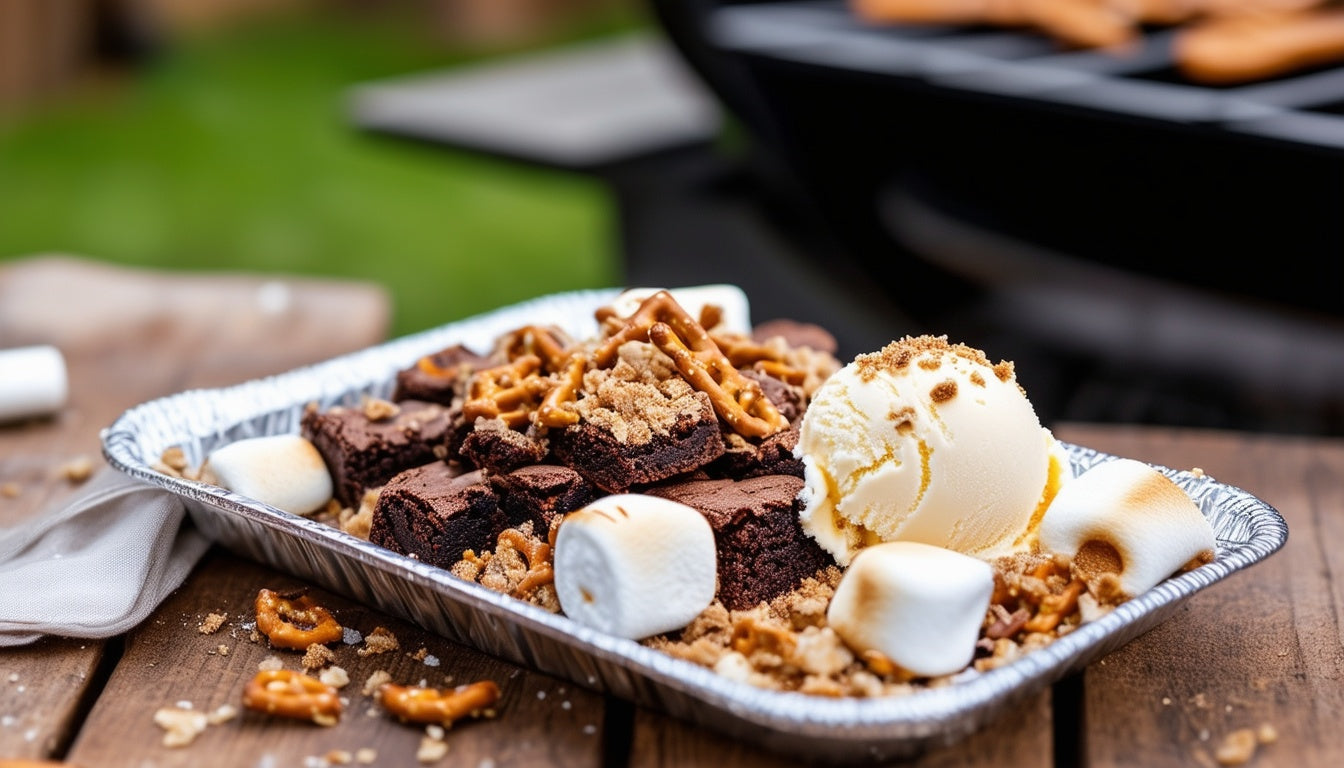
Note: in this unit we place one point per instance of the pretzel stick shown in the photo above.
(1240, 48)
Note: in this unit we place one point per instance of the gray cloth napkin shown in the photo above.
(97, 564)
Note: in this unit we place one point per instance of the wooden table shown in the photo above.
(1262, 648)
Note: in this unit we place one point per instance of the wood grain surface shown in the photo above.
(1261, 649)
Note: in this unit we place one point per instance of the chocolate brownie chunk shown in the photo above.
(440, 377)
(540, 492)
(787, 399)
(492, 445)
(596, 451)
(762, 549)
(363, 453)
(772, 456)
(434, 514)
(796, 334)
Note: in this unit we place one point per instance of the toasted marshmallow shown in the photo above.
(635, 565)
(731, 301)
(1127, 518)
(919, 605)
(284, 471)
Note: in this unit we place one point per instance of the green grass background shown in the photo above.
(233, 151)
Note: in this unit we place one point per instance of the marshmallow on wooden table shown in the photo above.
(732, 303)
(635, 565)
(32, 382)
(919, 605)
(1127, 518)
(284, 471)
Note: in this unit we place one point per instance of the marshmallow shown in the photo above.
(919, 605)
(732, 302)
(635, 565)
(284, 471)
(1127, 518)
(32, 382)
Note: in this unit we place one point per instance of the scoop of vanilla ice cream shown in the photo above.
(930, 442)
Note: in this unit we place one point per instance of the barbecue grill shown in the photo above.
(998, 183)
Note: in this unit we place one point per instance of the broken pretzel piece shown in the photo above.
(286, 693)
(417, 704)
(294, 621)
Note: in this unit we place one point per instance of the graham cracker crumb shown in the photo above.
(212, 622)
(376, 409)
(1237, 747)
(334, 676)
(376, 681)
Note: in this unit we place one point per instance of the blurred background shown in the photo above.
(1148, 249)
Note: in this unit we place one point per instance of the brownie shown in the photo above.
(434, 514)
(773, 455)
(440, 377)
(540, 492)
(363, 453)
(787, 399)
(796, 334)
(493, 446)
(762, 550)
(616, 466)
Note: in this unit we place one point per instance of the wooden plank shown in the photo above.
(128, 336)
(1022, 737)
(541, 721)
(1263, 647)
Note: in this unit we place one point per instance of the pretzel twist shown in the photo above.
(737, 400)
(509, 392)
(294, 621)
(431, 705)
(743, 352)
(539, 341)
(538, 556)
(287, 693)
(551, 412)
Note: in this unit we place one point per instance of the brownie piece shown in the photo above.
(772, 456)
(787, 399)
(363, 453)
(440, 377)
(615, 466)
(762, 549)
(796, 334)
(434, 514)
(540, 492)
(493, 446)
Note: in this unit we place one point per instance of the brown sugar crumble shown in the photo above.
(317, 656)
(211, 623)
(380, 640)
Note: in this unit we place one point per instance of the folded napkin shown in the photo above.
(97, 564)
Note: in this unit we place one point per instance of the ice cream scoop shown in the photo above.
(926, 441)
(635, 565)
(284, 471)
(1126, 518)
(920, 606)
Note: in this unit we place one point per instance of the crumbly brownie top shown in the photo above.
(635, 403)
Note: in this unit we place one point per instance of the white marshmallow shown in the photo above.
(284, 471)
(919, 605)
(1126, 517)
(730, 299)
(32, 382)
(635, 565)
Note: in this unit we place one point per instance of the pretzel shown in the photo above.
(743, 352)
(431, 705)
(551, 412)
(508, 392)
(1086, 23)
(1245, 47)
(737, 400)
(1055, 607)
(538, 556)
(287, 693)
(750, 636)
(294, 621)
(539, 341)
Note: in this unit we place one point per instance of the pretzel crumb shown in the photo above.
(376, 681)
(181, 726)
(431, 749)
(418, 655)
(334, 676)
(212, 622)
(338, 757)
(77, 470)
(270, 664)
(380, 640)
(222, 714)
(1266, 734)
(10, 490)
(1237, 747)
(366, 756)
(377, 409)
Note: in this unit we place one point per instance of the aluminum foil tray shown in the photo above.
(824, 729)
